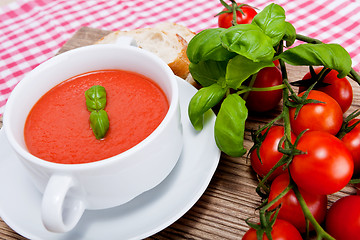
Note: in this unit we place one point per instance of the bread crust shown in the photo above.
(180, 65)
(167, 40)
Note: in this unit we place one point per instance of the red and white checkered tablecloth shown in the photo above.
(32, 31)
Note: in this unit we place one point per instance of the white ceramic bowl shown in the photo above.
(69, 189)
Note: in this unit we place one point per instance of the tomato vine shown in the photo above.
(225, 62)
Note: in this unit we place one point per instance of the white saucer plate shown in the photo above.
(144, 216)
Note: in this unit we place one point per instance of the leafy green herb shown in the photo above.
(95, 98)
(95, 103)
(203, 100)
(207, 45)
(331, 56)
(241, 68)
(272, 22)
(208, 72)
(99, 123)
(230, 126)
(249, 41)
(290, 34)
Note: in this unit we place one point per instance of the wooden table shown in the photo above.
(230, 198)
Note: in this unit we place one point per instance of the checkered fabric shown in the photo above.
(32, 31)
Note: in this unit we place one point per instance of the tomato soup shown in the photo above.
(58, 130)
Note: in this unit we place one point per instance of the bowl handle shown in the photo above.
(62, 204)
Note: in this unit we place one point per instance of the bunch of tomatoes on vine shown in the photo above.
(312, 148)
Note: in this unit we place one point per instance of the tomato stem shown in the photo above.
(321, 233)
(345, 128)
(278, 197)
(234, 8)
(261, 185)
(286, 116)
(354, 181)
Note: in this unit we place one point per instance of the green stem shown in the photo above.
(355, 76)
(354, 181)
(264, 220)
(286, 116)
(278, 197)
(260, 89)
(251, 84)
(234, 8)
(321, 233)
(307, 39)
(269, 124)
(282, 161)
(277, 87)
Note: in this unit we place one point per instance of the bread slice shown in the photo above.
(175, 28)
(166, 40)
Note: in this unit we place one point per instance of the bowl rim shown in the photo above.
(170, 115)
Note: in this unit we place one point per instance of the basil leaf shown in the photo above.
(241, 68)
(272, 21)
(95, 103)
(249, 41)
(206, 45)
(99, 123)
(230, 126)
(95, 98)
(290, 34)
(202, 101)
(332, 56)
(208, 72)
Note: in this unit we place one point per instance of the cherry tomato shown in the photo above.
(269, 153)
(282, 230)
(343, 218)
(225, 19)
(290, 209)
(326, 116)
(340, 88)
(262, 101)
(352, 141)
(276, 63)
(326, 165)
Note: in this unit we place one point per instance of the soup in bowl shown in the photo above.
(69, 164)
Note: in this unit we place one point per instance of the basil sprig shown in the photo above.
(95, 102)
(222, 59)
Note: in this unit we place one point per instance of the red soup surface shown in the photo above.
(58, 129)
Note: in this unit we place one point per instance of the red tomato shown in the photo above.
(325, 168)
(225, 19)
(269, 152)
(326, 116)
(352, 141)
(290, 209)
(340, 88)
(282, 230)
(343, 218)
(276, 63)
(259, 101)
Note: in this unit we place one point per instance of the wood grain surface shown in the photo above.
(230, 198)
